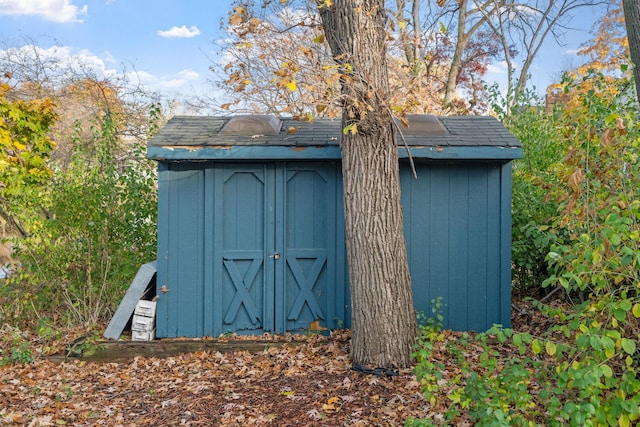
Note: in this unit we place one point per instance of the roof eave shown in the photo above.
(326, 152)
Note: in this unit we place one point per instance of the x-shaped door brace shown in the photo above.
(306, 286)
(242, 285)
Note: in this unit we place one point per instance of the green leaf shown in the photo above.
(629, 346)
(606, 370)
(623, 421)
(351, 128)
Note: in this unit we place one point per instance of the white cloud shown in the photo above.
(173, 82)
(573, 52)
(189, 75)
(51, 10)
(179, 31)
(60, 61)
(492, 68)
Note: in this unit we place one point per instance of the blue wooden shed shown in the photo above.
(251, 232)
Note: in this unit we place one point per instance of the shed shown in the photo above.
(251, 224)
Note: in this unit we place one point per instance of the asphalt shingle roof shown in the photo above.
(199, 131)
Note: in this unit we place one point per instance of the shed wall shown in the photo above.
(457, 226)
(458, 232)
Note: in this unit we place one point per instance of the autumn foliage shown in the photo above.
(25, 145)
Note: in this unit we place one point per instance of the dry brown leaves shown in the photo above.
(309, 384)
(305, 385)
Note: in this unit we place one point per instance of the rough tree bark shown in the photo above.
(383, 320)
(632, 22)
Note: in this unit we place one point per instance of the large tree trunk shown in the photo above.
(632, 20)
(383, 321)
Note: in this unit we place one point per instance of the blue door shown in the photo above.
(275, 247)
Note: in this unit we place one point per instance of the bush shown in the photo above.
(95, 227)
(533, 176)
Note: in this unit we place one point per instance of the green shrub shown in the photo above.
(95, 227)
(533, 176)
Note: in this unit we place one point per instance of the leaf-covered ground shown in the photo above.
(302, 385)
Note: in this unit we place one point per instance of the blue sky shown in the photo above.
(165, 41)
(169, 42)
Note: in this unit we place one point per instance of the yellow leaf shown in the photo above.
(636, 310)
(292, 86)
(333, 400)
(536, 346)
(551, 348)
(315, 326)
(624, 421)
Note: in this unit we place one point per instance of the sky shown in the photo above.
(171, 43)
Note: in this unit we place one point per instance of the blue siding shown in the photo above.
(456, 241)
(180, 251)
(220, 226)
(221, 223)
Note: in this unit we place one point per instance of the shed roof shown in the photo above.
(200, 138)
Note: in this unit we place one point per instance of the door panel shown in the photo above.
(244, 239)
(274, 261)
(309, 227)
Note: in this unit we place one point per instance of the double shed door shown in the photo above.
(272, 254)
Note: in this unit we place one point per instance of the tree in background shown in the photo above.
(438, 53)
(278, 62)
(81, 92)
(632, 19)
(606, 55)
(522, 27)
(384, 320)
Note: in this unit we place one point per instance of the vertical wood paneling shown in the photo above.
(478, 256)
(162, 308)
(438, 236)
(458, 254)
(183, 254)
(309, 210)
(209, 232)
(455, 232)
(415, 199)
(457, 228)
(494, 239)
